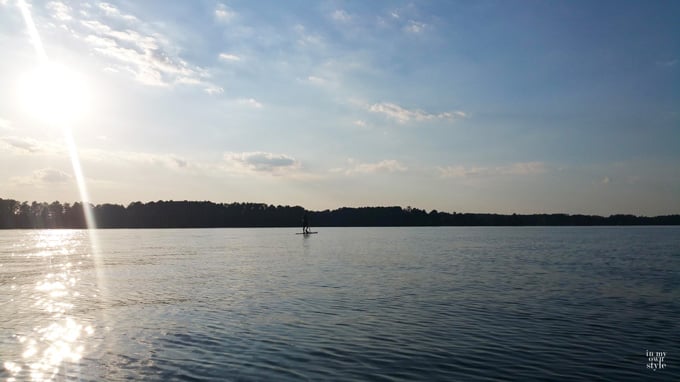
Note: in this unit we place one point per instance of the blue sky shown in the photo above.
(484, 106)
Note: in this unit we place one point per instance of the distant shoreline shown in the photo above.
(204, 214)
(359, 227)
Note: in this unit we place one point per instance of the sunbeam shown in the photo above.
(32, 30)
(55, 95)
(82, 185)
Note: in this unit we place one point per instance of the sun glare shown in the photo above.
(54, 94)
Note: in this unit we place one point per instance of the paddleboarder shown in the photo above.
(305, 223)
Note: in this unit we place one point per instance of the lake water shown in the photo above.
(444, 303)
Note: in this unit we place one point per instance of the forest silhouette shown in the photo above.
(205, 214)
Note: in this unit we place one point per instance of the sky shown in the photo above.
(459, 106)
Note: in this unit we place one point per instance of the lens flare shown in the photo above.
(56, 95)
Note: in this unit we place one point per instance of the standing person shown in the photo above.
(305, 223)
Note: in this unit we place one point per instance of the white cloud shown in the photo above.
(224, 14)
(387, 165)
(112, 11)
(341, 16)
(214, 90)
(227, 57)
(137, 48)
(525, 168)
(520, 168)
(60, 11)
(316, 80)
(332, 72)
(50, 175)
(42, 177)
(308, 39)
(459, 171)
(26, 145)
(251, 102)
(415, 27)
(233, 163)
(408, 19)
(360, 123)
(403, 115)
(170, 161)
(260, 162)
(30, 146)
(143, 54)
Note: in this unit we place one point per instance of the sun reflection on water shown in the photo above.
(56, 341)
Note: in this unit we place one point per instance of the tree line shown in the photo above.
(205, 214)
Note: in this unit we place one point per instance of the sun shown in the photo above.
(54, 94)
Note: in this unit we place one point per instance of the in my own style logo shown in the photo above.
(656, 360)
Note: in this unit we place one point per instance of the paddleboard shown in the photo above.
(305, 233)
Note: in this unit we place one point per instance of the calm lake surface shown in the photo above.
(449, 303)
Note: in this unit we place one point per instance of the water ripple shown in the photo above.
(351, 304)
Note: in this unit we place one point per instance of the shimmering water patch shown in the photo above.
(43, 338)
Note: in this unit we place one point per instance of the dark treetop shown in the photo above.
(188, 214)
